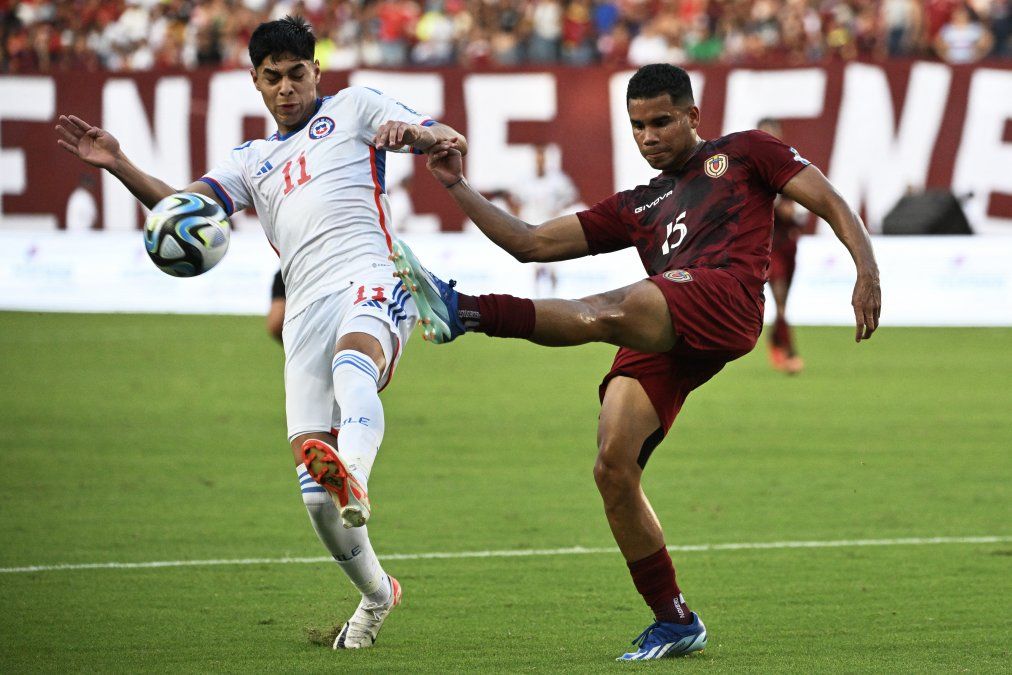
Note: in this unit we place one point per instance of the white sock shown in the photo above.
(349, 547)
(362, 423)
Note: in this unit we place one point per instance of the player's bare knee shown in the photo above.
(613, 477)
(611, 323)
(606, 315)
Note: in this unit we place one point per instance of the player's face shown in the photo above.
(288, 85)
(665, 133)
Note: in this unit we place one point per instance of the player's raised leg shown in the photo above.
(628, 432)
(358, 362)
(336, 499)
(636, 316)
(353, 552)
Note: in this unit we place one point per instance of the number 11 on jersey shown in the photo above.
(304, 176)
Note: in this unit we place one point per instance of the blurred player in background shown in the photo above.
(545, 195)
(702, 228)
(318, 188)
(788, 219)
(276, 312)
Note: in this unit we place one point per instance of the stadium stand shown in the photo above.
(41, 36)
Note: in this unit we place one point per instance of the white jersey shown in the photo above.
(319, 192)
(545, 197)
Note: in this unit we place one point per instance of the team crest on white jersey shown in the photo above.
(678, 276)
(321, 128)
(716, 166)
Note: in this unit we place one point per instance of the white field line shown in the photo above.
(517, 553)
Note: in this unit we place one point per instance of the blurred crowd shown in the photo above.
(118, 35)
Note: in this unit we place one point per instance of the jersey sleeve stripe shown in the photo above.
(220, 191)
(376, 195)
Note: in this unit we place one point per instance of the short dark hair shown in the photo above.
(290, 35)
(660, 78)
(768, 122)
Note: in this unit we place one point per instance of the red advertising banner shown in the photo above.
(877, 130)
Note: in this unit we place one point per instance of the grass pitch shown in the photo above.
(161, 438)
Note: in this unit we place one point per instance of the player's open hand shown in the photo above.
(867, 302)
(395, 135)
(445, 162)
(93, 145)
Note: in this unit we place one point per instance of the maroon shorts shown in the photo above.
(716, 320)
(782, 259)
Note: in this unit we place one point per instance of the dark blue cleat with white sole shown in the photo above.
(663, 640)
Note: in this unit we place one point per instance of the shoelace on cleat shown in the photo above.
(360, 627)
(641, 639)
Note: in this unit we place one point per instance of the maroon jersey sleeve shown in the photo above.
(774, 161)
(603, 227)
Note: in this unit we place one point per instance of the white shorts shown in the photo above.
(376, 304)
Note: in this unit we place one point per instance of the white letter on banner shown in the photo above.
(755, 94)
(492, 101)
(31, 99)
(873, 163)
(232, 98)
(984, 162)
(419, 91)
(630, 169)
(164, 153)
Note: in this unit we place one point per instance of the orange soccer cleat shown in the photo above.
(327, 468)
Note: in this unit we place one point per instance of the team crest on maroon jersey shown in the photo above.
(716, 166)
(321, 128)
(679, 276)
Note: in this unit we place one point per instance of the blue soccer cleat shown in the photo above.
(662, 640)
(435, 299)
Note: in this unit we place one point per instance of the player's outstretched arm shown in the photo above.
(557, 239)
(812, 190)
(99, 148)
(394, 135)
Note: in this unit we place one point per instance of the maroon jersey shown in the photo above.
(786, 230)
(714, 212)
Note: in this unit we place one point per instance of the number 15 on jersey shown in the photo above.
(675, 226)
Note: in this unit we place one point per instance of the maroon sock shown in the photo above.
(497, 315)
(654, 577)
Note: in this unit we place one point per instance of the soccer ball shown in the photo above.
(186, 234)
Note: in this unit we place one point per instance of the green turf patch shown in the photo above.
(142, 438)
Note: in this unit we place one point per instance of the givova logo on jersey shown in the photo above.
(321, 127)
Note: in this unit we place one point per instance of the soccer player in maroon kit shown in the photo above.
(783, 256)
(702, 228)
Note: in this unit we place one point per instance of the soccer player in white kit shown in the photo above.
(318, 188)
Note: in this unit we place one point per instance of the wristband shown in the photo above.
(459, 180)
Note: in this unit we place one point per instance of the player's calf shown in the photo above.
(445, 313)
